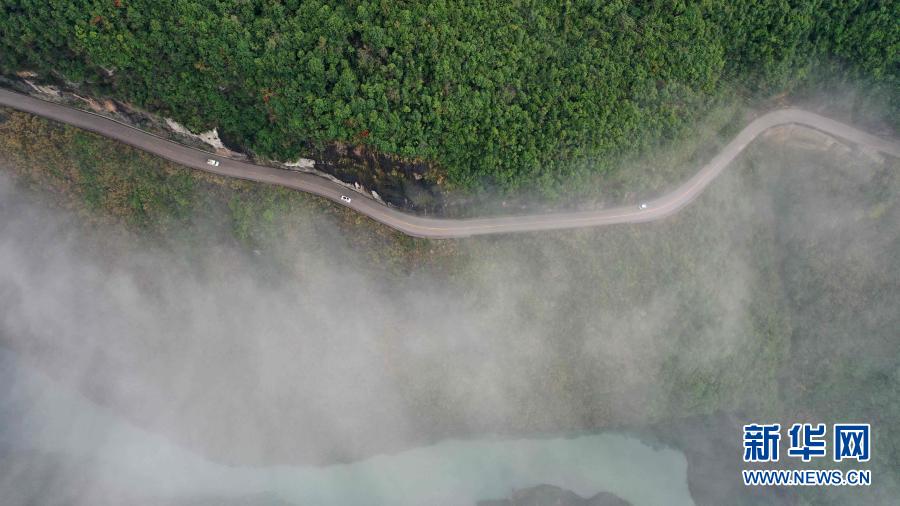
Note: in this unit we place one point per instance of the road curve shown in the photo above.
(440, 228)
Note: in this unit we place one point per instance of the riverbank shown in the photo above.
(46, 424)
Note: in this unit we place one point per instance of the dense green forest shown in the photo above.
(495, 93)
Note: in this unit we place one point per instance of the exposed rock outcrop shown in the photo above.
(549, 495)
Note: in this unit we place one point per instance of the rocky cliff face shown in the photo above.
(548, 495)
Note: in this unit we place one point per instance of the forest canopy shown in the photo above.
(511, 94)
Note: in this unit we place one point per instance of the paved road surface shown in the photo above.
(437, 228)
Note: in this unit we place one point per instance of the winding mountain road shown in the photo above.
(439, 228)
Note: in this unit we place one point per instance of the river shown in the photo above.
(39, 416)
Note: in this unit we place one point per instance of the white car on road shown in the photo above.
(643, 206)
(210, 161)
(345, 198)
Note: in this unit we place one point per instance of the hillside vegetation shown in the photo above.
(502, 94)
(773, 297)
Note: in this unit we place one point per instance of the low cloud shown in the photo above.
(533, 335)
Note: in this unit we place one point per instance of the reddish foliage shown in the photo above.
(96, 19)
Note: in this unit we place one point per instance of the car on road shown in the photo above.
(345, 198)
(643, 206)
(210, 161)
